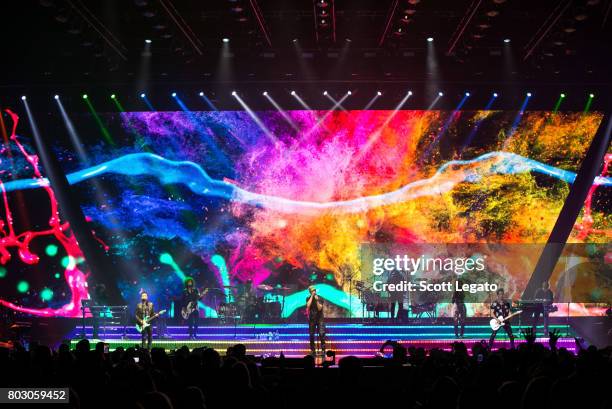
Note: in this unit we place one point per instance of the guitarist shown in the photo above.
(145, 310)
(190, 299)
(501, 308)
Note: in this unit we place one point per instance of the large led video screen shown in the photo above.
(276, 201)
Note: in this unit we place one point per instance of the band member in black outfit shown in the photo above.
(501, 308)
(460, 313)
(314, 309)
(396, 297)
(544, 297)
(145, 310)
(191, 295)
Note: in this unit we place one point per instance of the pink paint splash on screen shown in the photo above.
(75, 278)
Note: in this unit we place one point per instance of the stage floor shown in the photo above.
(292, 339)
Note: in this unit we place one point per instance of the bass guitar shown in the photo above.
(146, 321)
(497, 323)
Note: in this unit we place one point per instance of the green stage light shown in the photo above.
(113, 96)
(23, 286)
(2, 272)
(46, 294)
(562, 95)
(591, 95)
(85, 96)
(51, 250)
(166, 258)
(57, 275)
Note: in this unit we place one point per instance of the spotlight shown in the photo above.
(562, 95)
(495, 95)
(201, 94)
(234, 93)
(148, 41)
(429, 39)
(85, 96)
(56, 96)
(225, 40)
(113, 96)
(142, 95)
(467, 94)
(506, 40)
(295, 40)
(591, 95)
(174, 94)
(292, 92)
(529, 94)
(324, 92)
(23, 97)
(348, 40)
(409, 92)
(265, 93)
(378, 93)
(440, 93)
(349, 93)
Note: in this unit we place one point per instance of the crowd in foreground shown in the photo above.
(467, 377)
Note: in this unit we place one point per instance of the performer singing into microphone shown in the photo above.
(501, 308)
(144, 310)
(314, 309)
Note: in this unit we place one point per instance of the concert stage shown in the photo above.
(358, 339)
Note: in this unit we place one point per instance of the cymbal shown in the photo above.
(265, 287)
(282, 288)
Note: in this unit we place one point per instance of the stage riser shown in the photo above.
(300, 348)
(293, 339)
(300, 333)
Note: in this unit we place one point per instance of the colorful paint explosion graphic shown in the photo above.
(291, 199)
(75, 278)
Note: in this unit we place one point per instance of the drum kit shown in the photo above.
(245, 303)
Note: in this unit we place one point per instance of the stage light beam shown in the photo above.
(301, 101)
(376, 134)
(281, 111)
(589, 102)
(72, 133)
(372, 100)
(208, 101)
(255, 118)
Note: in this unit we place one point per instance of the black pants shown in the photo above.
(459, 321)
(147, 334)
(508, 329)
(192, 322)
(315, 323)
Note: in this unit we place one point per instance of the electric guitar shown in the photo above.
(497, 323)
(192, 305)
(146, 321)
